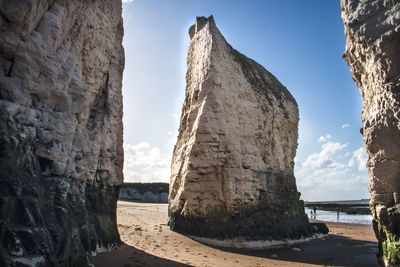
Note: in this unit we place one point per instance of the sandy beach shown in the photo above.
(149, 242)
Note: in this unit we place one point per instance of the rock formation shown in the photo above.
(372, 31)
(232, 167)
(61, 150)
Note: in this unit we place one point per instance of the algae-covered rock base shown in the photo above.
(372, 51)
(61, 152)
(250, 223)
(232, 167)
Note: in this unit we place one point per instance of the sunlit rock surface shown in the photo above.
(61, 151)
(373, 52)
(232, 167)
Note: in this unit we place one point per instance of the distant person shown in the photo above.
(315, 212)
(338, 215)
(311, 214)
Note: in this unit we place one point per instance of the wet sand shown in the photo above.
(149, 242)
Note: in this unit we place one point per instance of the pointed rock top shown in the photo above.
(200, 23)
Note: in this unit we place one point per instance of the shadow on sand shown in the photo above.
(334, 250)
(129, 256)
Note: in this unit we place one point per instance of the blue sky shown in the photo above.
(300, 42)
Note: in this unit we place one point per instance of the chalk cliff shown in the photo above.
(372, 31)
(61, 129)
(145, 192)
(232, 167)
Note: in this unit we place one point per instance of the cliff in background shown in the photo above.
(145, 192)
(373, 52)
(232, 167)
(61, 152)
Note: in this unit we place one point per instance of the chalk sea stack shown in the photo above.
(372, 31)
(232, 167)
(61, 152)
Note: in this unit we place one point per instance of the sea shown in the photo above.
(332, 216)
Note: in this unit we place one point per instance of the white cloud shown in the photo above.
(331, 148)
(176, 119)
(346, 125)
(126, 1)
(144, 163)
(324, 158)
(360, 158)
(327, 175)
(323, 139)
(174, 115)
(342, 185)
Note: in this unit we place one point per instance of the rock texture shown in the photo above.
(61, 155)
(373, 52)
(232, 167)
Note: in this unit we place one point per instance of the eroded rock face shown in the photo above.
(61, 154)
(232, 167)
(373, 52)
